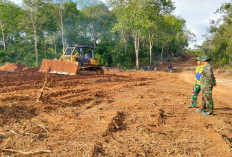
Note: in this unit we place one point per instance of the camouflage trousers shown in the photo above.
(207, 101)
(196, 91)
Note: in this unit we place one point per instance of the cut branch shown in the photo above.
(26, 153)
(44, 85)
(45, 80)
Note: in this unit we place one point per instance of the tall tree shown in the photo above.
(153, 18)
(33, 21)
(8, 12)
(130, 18)
(171, 30)
(58, 13)
(135, 16)
(98, 20)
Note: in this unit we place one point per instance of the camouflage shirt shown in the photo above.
(207, 77)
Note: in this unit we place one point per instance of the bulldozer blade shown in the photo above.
(59, 67)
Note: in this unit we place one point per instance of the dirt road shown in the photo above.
(117, 114)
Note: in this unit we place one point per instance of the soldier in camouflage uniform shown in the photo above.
(207, 83)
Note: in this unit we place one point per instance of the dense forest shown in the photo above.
(127, 34)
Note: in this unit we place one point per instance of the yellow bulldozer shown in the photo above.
(75, 60)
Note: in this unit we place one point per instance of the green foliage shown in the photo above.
(195, 52)
(40, 28)
(219, 45)
(2, 57)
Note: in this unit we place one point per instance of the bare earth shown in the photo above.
(116, 114)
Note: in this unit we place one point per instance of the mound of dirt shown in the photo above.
(12, 67)
(156, 118)
(98, 150)
(116, 124)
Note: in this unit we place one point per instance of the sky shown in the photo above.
(197, 14)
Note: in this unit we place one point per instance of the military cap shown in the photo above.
(204, 58)
(198, 58)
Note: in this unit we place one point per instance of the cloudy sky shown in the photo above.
(197, 14)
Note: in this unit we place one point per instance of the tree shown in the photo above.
(57, 11)
(154, 11)
(130, 18)
(172, 34)
(8, 11)
(218, 43)
(139, 19)
(98, 20)
(33, 21)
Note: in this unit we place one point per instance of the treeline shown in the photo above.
(126, 33)
(218, 44)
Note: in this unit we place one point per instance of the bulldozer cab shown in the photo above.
(79, 51)
(81, 54)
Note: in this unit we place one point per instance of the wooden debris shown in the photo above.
(26, 153)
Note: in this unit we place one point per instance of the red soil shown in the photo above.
(12, 67)
(116, 114)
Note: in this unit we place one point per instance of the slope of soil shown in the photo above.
(12, 67)
(117, 114)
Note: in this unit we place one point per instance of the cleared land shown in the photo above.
(116, 114)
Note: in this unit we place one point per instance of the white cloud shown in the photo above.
(197, 14)
(17, 1)
(104, 1)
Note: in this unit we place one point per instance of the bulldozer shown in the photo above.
(73, 62)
